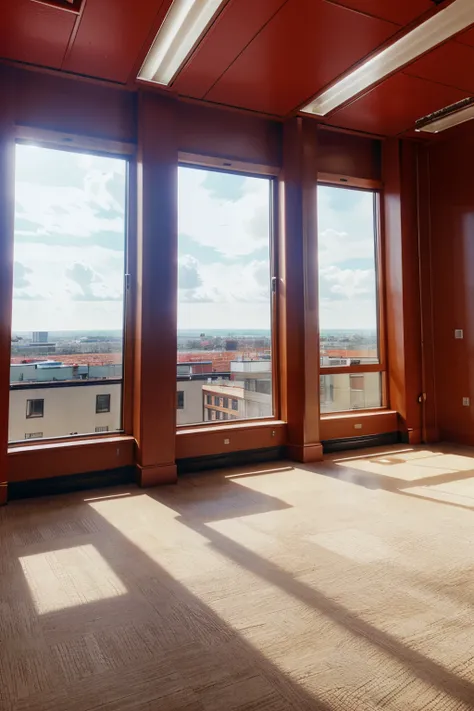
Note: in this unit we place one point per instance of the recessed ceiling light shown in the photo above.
(438, 28)
(183, 27)
(452, 115)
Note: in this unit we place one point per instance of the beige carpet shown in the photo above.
(347, 585)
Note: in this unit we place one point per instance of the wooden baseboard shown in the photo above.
(156, 474)
(305, 453)
(3, 493)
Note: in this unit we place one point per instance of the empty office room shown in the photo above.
(236, 355)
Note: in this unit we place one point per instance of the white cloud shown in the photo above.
(347, 283)
(232, 227)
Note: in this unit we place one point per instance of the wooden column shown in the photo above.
(298, 296)
(403, 284)
(430, 431)
(156, 292)
(7, 215)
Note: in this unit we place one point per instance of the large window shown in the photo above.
(224, 295)
(68, 292)
(350, 351)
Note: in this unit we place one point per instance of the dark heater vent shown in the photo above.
(442, 113)
(68, 5)
(438, 2)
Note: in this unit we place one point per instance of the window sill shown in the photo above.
(40, 445)
(226, 425)
(354, 414)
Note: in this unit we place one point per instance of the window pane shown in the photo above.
(346, 391)
(347, 277)
(224, 296)
(68, 294)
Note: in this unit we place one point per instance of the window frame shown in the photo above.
(34, 399)
(102, 412)
(107, 148)
(375, 187)
(272, 173)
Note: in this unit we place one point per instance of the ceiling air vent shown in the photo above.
(451, 115)
(68, 5)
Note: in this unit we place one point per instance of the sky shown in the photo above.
(346, 251)
(70, 236)
(69, 241)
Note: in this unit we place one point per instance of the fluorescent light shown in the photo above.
(183, 27)
(452, 118)
(438, 28)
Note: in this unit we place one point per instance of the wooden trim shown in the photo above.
(7, 218)
(347, 181)
(298, 284)
(156, 475)
(72, 141)
(337, 370)
(230, 165)
(130, 300)
(381, 294)
(229, 437)
(358, 424)
(44, 461)
(306, 454)
(402, 280)
(156, 287)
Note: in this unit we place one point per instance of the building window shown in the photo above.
(209, 399)
(34, 408)
(225, 415)
(218, 414)
(101, 428)
(102, 403)
(235, 404)
(351, 363)
(228, 337)
(180, 400)
(33, 435)
(213, 414)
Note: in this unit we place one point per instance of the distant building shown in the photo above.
(40, 336)
(248, 393)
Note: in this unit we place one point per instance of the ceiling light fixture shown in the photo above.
(437, 29)
(182, 28)
(452, 115)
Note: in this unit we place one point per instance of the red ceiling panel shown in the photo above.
(238, 23)
(466, 37)
(452, 64)
(400, 11)
(34, 33)
(306, 45)
(395, 105)
(110, 37)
